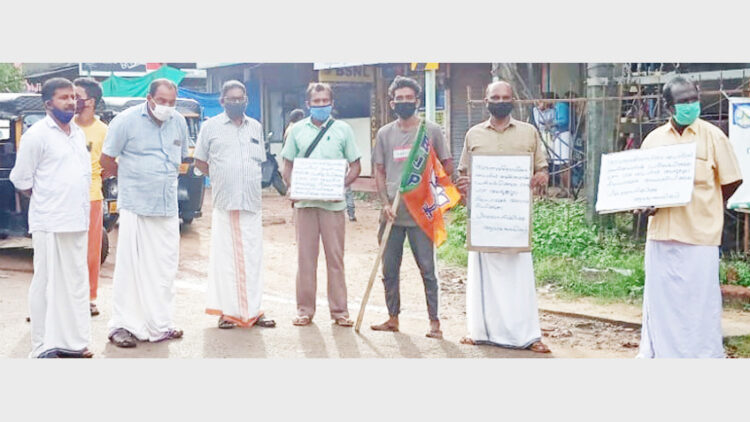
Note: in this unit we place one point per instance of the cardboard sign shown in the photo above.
(500, 203)
(318, 179)
(656, 177)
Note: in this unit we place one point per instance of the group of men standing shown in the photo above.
(144, 146)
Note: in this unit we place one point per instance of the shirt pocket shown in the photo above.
(704, 175)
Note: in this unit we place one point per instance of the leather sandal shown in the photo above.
(301, 321)
(344, 322)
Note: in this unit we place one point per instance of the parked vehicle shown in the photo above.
(270, 173)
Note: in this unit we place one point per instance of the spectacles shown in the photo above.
(235, 100)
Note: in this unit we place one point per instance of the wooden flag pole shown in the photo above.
(376, 265)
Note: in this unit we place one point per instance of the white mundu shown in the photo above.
(501, 306)
(143, 281)
(235, 283)
(57, 168)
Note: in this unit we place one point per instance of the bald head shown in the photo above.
(499, 91)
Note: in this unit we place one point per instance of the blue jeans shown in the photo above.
(422, 249)
(349, 202)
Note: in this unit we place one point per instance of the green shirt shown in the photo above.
(337, 143)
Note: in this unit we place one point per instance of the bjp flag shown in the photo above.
(426, 189)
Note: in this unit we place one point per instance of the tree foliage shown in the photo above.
(11, 78)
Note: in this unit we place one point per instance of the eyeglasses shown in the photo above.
(235, 100)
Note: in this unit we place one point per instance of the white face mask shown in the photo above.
(162, 112)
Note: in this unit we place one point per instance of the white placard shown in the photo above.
(318, 179)
(500, 203)
(654, 177)
(739, 137)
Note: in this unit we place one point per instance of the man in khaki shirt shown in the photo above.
(501, 307)
(682, 300)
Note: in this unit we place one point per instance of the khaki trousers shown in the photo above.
(314, 224)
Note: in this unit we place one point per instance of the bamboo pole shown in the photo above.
(376, 265)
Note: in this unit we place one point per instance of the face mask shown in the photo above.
(80, 105)
(501, 109)
(235, 110)
(405, 110)
(321, 114)
(685, 114)
(162, 112)
(63, 116)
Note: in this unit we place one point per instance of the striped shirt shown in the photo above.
(234, 155)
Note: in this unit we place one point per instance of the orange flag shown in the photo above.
(426, 189)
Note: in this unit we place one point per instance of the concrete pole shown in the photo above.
(601, 124)
(429, 95)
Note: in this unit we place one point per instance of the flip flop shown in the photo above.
(93, 309)
(265, 323)
(438, 334)
(301, 321)
(344, 322)
(467, 340)
(224, 324)
(539, 347)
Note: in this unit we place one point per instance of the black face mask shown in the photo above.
(501, 109)
(405, 110)
(235, 110)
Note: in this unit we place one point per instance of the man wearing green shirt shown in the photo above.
(321, 220)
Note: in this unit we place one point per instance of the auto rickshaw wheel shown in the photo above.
(105, 246)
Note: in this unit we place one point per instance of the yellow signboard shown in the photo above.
(417, 67)
(357, 74)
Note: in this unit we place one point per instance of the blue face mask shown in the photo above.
(321, 114)
(62, 115)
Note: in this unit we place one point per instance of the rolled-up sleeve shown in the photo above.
(540, 154)
(727, 166)
(27, 159)
(203, 145)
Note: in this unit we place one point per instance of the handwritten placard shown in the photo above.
(318, 179)
(655, 177)
(500, 203)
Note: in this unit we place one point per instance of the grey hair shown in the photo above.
(156, 83)
(678, 80)
(232, 84)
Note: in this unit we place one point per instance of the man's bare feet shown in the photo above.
(539, 347)
(390, 325)
(467, 340)
(435, 330)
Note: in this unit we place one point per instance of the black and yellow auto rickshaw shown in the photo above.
(191, 182)
(17, 113)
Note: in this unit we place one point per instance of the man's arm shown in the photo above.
(383, 191)
(202, 166)
(448, 166)
(728, 190)
(27, 159)
(286, 173)
(354, 169)
(109, 166)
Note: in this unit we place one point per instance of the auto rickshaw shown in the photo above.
(17, 113)
(191, 182)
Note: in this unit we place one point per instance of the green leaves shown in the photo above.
(11, 78)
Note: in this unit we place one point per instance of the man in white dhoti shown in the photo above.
(681, 300)
(501, 308)
(230, 146)
(53, 167)
(151, 141)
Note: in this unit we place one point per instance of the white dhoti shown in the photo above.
(681, 302)
(59, 293)
(235, 283)
(148, 250)
(501, 306)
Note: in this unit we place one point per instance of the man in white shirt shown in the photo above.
(230, 148)
(53, 168)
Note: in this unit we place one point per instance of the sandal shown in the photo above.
(94, 310)
(438, 334)
(539, 347)
(225, 324)
(385, 327)
(467, 340)
(344, 322)
(265, 323)
(301, 321)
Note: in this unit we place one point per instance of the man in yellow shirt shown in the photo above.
(681, 299)
(88, 94)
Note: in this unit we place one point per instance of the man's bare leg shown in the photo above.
(390, 325)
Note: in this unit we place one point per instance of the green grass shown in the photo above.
(579, 259)
(737, 347)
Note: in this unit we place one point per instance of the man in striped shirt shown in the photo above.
(230, 149)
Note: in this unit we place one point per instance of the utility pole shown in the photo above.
(429, 94)
(601, 124)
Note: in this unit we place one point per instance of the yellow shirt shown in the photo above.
(518, 137)
(701, 221)
(95, 134)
